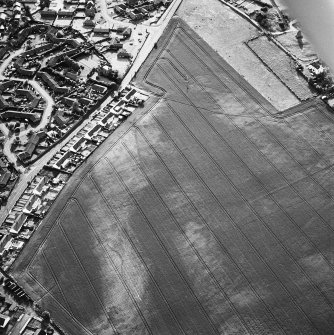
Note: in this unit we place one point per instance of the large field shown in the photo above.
(209, 212)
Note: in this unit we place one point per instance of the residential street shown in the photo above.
(28, 174)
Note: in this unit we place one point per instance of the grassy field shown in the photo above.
(207, 212)
(227, 33)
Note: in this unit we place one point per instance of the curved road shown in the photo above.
(28, 175)
(46, 114)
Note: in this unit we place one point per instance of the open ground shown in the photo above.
(209, 212)
(227, 33)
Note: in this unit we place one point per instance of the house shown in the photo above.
(23, 156)
(101, 31)
(48, 13)
(4, 319)
(99, 88)
(127, 32)
(18, 64)
(78, 144)
(4, 178)
(115, 44)
(61, 120)
(89, 23)
(3, 18)
(93, 132)
(17, 8)
(66, 12)
(120, 9)
(122, 53)
(18, 224)
(4, 239)
(85, 101)
(7, 84)
(41, 187)
(33, 117)
(135, 15)
(72, 76)
(107, 119)
(51, 83)
(31, 204)
(3, 103)
(143, 11)
(63, 161)
(90, 12)
(68, 101)
(131, 2)
(34, 101)
(31, 146)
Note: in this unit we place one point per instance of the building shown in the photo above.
(127, 32)
(115, 44)
(4, 319)
(31, 205)
(61, 120)
(18, 64)
(79, 144)
(48, 13)
(3, 103)
(66, 13)
(34, 100)
(72, 76)
(52, 83)
(41, 187)
(122, 53)
(120, 9)
(4, 239)
(107, 119)
(68, 101)
(32, 117)
(89, 23)
(63, 161)
(17, 8)
(7, 84)
(99, 88)
(3, 17)
(90, 11)
(101, 31)
(31, 146)
(18, 224)
(131, 2)
(136, 15)
(93, 132)
(4, 177)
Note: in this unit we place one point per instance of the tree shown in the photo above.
(46, 316)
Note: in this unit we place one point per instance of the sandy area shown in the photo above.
(225, 32)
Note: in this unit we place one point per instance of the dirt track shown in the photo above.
(207, 213)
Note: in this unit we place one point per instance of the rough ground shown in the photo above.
(225, 31)
(207, 213)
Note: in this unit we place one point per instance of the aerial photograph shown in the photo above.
(166, 167)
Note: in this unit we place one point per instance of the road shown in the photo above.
(45, 120)
(154, 34)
